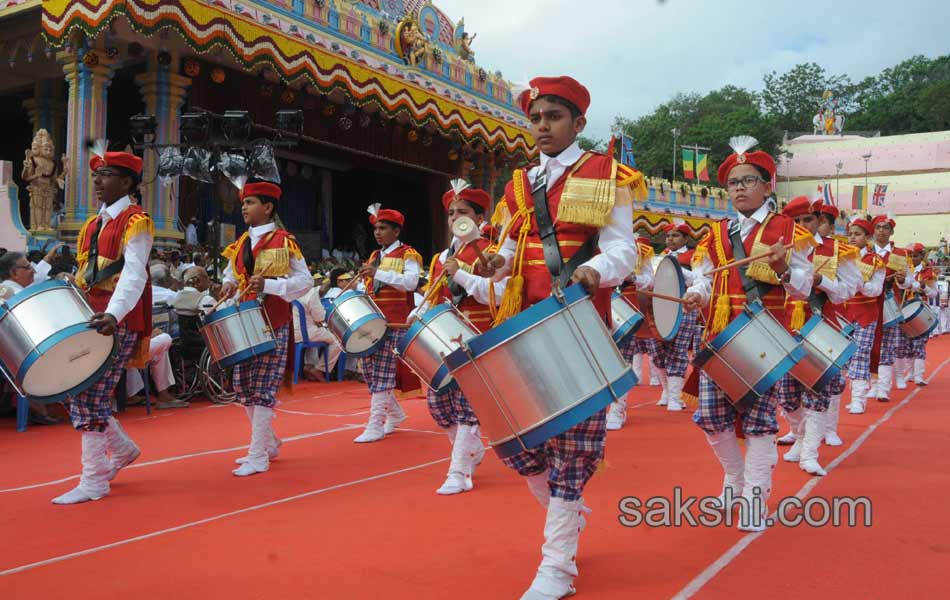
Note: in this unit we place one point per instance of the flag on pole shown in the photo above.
(827, 197)
(688, 172)
(880, 194)
(702, 167)
(859, 198)
(626, 151)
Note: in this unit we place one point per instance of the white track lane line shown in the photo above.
(732, 553)
(159, 461)
(233, 513)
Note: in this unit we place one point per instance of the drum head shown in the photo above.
(668, 281)
(69, 365)
(365, 337)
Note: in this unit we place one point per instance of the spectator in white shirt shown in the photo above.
(315, 315)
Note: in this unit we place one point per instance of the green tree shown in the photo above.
(589, 143)
(791, 99)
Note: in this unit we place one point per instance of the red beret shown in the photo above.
(474, 195)
(829, 209)
(562, 87)
(117, 159)
(388, 214)
(681, 227)
(883, 219)
(757, 158)
(916, 247)
(262, 188)
(798, 206)
(863, 224)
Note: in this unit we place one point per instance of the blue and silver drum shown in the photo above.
(357, 323)
(46, 345)
(668, 280)
(918, 319)
(433, 336)
(893, 316)
(625, 318)
(238, 333)
(749, 356)
(541, 372)
(827, 352)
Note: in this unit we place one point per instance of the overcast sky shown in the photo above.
(636, 54)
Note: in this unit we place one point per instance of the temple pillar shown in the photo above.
(164, 94)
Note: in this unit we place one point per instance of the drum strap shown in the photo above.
(457, 291)
(560, 271)
(754, 290)
(377, 285)
(93, 275)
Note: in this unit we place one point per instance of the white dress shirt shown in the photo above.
(873, 287)
(162, 295)
(133, 277)
(287, 288)
(883, 252)
(408, 280)
(930, 291)
(9, 288)
(618, 251)
(801, 269)
(42, 269)
(846, 283)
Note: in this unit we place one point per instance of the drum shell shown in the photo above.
(750, 355)
(46, 344)
(668, 281)
(357, 323)
(238, 333)
(625, 318)
(918, 319)
(827, 352)
(432, 337)
(892, 311)
(538, 374)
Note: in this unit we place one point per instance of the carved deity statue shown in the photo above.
(465, 47)
(42, 177)
(416, 44)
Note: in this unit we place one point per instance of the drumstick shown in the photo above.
(746, 261)
(225, 299)
(398, 325)
(822, 265)
(662, 296)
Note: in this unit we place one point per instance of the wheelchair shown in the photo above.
(195, 372)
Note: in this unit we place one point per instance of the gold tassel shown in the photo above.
(723, 308)
(798, 315)
(510, 300)
(139, 223)
(689, 400)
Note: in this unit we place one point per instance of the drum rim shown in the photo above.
(681, 280)
(345, 296)
(31, 291)
(917, 312)
(521, 322)
(222, 313)
(581, 411)
(419, 324)
(242, 355)
(356, 325)
(630, 327)
(76, 389)
(41, 348)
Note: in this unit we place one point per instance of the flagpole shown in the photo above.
(838, 168)
(866, 158)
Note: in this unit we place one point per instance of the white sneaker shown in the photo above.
(795, 452)
(616, 416)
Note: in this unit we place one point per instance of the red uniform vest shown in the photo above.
(728, 297)
(479, 314)
(272, 256)
(630, 292)
(826, 258)
(570, 236)
(862, 309)
(395, 304)
(685, 258)
(112, 239)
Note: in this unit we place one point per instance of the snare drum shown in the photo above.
(749, 356)
(827, 352)
(433, 336)
(357, 323)
(625, 317)
(918, 319)
(541, 372)
(892, 312)
(669, 281)
(46, 344)
(238, 333)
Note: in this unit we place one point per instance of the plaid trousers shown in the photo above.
(449, 407)
(256, 381)
(572, 457)
(793, 395)
(912, 348)
(716, 414)
(635, 345)
(859, 367)
(90, 410)
(673, 356)
(379, 368)
(889, 344)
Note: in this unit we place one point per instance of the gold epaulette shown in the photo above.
(83, 255)
(848, 252)
(634, 179)
(412, 255)
(803, 239)
(646, 252)
(290, 243)
(702, 250)
(230, 252)
(137, 224)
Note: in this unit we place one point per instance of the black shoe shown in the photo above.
(37, 419)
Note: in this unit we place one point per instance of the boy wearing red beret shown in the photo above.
(391, 276)
(912, 353)
(112, 255)
(836, 279)
(266, 263)
(476, 297)
(586, 199)
(864, 312)
(755, 229)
